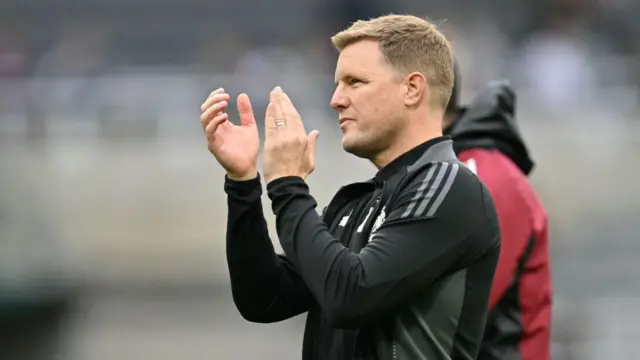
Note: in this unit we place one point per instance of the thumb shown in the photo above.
(312, 140)
(245, 110)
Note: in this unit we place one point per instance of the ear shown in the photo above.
(417, 89)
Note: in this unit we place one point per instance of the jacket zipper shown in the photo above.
(394, 349)
(375, 212)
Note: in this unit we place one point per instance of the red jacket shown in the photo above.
(487, 139)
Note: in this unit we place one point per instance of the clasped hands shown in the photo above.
(288, 149)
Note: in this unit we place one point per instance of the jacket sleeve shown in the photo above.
(266, 288)
(423, 238)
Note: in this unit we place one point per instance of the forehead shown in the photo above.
(361, 57)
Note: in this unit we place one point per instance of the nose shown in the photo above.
(339, 101)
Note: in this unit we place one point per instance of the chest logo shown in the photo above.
(378, 222)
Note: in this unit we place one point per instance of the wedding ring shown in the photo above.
(279, 123)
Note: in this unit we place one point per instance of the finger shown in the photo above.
(245, 110)
(289, 111)
(287, 105)
(219, 90)
(273, 96)
(214, 99)
(215, 123)
(212, 112)
(312, 140)
(269, 123)
(278, 114)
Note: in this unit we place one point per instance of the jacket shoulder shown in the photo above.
(454, 171)
(441, 187)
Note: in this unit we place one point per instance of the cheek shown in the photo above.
(373, 103)
(384, 107)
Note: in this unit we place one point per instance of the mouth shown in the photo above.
(345, 119)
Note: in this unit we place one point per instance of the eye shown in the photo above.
(354, 81)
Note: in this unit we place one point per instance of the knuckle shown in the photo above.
(270, 148)
(289, 141)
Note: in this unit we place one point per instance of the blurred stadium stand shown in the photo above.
(110, 200)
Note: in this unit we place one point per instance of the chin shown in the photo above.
(354, 148)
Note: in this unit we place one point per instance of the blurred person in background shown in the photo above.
(487, 139)
(390, 270)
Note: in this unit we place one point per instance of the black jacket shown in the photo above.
(398, 267)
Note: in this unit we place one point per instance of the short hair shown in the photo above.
(454, 101)
(409, 44)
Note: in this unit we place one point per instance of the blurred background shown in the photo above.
(112, 211)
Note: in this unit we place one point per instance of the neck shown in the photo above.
(424, 129)
(447, 120)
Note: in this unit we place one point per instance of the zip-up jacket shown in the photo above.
(398, 267)
(486, 137)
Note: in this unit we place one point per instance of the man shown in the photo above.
(486, 137)
(397, 267)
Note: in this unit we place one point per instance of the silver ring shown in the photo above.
(279, 123)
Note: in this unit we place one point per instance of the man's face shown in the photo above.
(369, 98)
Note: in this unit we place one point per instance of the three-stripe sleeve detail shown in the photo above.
(432, 190)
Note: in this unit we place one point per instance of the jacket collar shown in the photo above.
(436, 149)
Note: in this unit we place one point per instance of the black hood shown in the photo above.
(489, 122)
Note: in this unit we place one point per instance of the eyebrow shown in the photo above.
(344, 77)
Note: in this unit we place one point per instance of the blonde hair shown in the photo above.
(409, 44)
